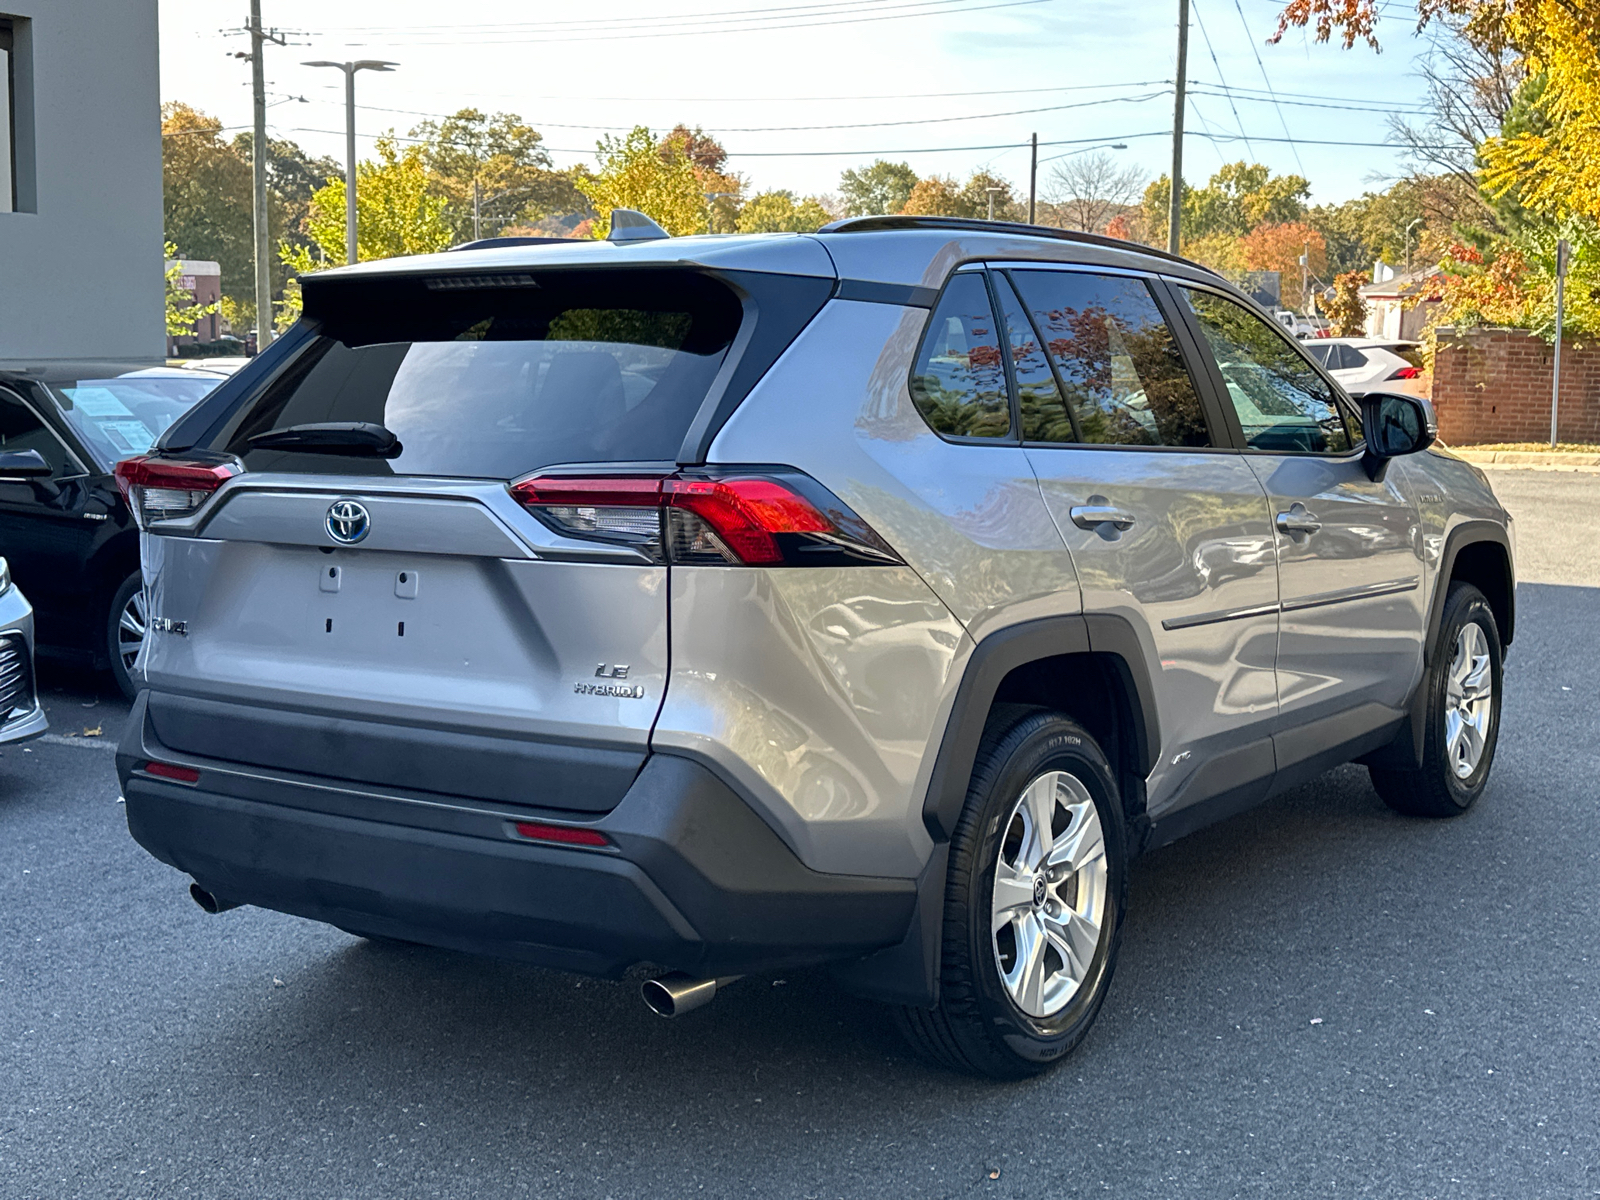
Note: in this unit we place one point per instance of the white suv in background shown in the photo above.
(1367, 364)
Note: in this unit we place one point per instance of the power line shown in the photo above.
(1201, 21)
(768, 13)
(668, 31)
(1282, 120)
(806, 128)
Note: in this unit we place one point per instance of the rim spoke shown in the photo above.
(1075, 939)
(1028, 987)
(1040, 802)
(1478, 682)
(130, 623)
(1083, 843)
(1013, 895)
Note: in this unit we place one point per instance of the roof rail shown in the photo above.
(1016, 228)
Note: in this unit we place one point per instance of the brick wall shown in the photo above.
(1493, 385)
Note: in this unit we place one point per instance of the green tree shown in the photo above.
(206, 196)
(397, 213)
(882, 187)
(500, 158)
(638, 172)
(780, 212)
(723, 190)
(208, 201)
(942, 196)
(1234, 201)
(1347, 311)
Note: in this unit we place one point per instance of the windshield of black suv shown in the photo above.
(493, 376)
(124, 415)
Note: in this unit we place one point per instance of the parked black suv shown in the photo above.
(64, 526)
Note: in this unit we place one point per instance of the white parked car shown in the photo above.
(1371, 364)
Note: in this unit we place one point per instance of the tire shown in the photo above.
(1462, 723)
(125, 631)
(996, 1017)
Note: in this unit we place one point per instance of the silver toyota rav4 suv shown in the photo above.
(686, 608)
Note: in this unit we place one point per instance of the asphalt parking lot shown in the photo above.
(1318, 998)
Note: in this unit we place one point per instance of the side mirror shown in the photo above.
(1395, 424)
(17, 465)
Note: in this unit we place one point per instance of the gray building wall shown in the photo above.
(81, 274)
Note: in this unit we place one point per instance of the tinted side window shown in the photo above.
(1282, 403)
(1125, 380)
(21, 430)
(959, 381)
(1044, 413)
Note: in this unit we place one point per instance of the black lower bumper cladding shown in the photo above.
(692, 879)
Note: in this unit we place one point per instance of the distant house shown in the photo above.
(203, 281)
(80, 182)
(1392, 308)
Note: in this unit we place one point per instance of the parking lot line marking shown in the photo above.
(56, 739)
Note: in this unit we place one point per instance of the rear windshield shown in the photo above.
(125, 414)
(490, 377)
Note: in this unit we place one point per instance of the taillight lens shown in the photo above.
(712, 516)
(1406, 373)
(160, 489)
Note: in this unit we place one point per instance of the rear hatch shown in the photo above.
(367, 600)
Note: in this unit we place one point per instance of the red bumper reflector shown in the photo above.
(566, 835)
(168, 771)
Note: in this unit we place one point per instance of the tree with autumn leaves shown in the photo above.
(1539, 173)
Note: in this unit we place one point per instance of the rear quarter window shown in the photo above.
(494, 376)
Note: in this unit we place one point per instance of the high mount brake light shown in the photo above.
(159, 489)
(715, 516)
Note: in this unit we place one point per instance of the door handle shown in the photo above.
(1092, 516)
(1297, 520)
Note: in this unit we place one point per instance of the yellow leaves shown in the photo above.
(659, 181)
(1555, 169)
(397, 213)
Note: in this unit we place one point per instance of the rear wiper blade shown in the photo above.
(361, 439)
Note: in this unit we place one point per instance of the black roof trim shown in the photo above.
(496, 243)
(1015, 228)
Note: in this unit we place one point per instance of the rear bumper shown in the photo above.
(695, 880)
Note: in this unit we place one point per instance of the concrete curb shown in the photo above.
(1548, 460)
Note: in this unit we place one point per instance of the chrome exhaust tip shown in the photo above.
(675, 994)
(212, 904)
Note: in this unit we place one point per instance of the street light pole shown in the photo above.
(1409, 228)
(1563, 258)
(350, 69)
(1033, 178)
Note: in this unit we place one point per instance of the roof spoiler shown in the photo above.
(630, 225)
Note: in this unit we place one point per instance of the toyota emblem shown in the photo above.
(348, 521)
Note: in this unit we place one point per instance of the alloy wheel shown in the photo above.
(131, 624)
(1049, 905)
(1469, 701)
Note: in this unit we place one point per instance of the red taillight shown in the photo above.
(711, 516)
(168, 771)
(159, 489)
(565, 835)
(746, 513)
(1406, 373)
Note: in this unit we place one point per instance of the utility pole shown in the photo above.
(1563, 260)
(993, 192)
(476, 234)
(1033, 178)
(350, 69)
(1305, 271)
(1175, 203)
(258, 147)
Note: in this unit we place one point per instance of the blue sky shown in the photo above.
(798, 90)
